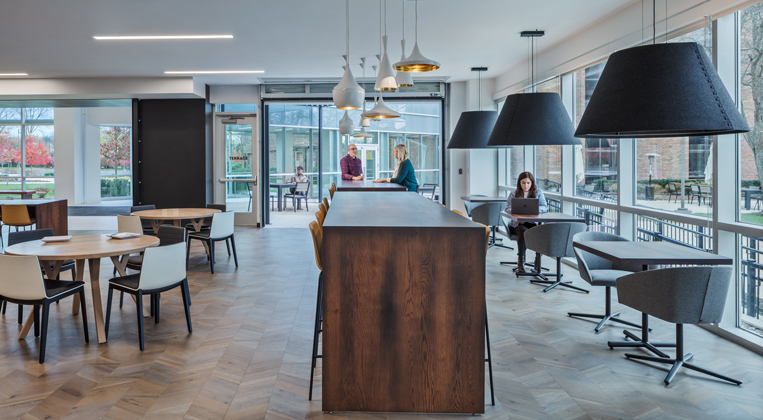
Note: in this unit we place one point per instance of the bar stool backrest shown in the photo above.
(22, 278)
(28, 235)
(317, 233)
(321, 216)
(162, 266)
(326, 202)
(129, 224)
(322, 207)
(222, 225)
(15, 215)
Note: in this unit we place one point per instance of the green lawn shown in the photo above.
(751, 218)
(29, 186)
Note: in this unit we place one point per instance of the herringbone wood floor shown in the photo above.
(249, 354)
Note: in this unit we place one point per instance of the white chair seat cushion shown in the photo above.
(607, 277)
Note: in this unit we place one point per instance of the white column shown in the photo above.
(92, 164)
(68, 126)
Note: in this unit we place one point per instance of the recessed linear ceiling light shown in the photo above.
(149, 37)
(13, 74)
(216, 72)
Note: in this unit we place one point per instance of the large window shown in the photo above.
(595, 160)
(115, 161)
(27, 155)
(548, 159)
(295, 137)
(511, 163)
(751, 78)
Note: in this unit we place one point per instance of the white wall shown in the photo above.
(458, 184)
(234, 94)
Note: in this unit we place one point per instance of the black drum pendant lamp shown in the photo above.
(538, 119)
(660, 90)
(474, 127)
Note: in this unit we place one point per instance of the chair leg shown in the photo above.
(108, 310)
(227, 245)
(211, 255)
(187, 253)
(21, 314)
(233, 244)
(316, 331)
(680, 360)
(157, 300)
(489, 359)
(608, 315)
(121, 299)
(186, 304)
(83, 309)
(5, 305)
(36, 315)
(558, 282)
(139, 298)
(44, 337)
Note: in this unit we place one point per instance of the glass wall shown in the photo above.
(511, 163)
(751, 78)
(27, 165)
(307, 135)
(116, 156)
(548, 159)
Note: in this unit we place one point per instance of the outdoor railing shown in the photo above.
(752, 265)
(686, 234)
(554, 205)
(602, 219)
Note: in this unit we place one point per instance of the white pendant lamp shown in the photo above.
(403, 78)
(380, 109)
(348, 94)
(385, 81)
(363, 134)
(364, 122)
(346, 126)
(416, 62)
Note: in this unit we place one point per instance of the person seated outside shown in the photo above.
(352, 167)
(298, 177)
(404, 173)
(526, 188)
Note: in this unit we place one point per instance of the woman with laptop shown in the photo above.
(527, 199)
(404, 174)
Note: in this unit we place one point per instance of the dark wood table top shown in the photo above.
(283, 184)
(480, 199)
(650, 253)
(390, 209)
(543, 217)
(368, 185)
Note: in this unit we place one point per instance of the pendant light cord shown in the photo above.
(654, 21)
(385, 17)
(348, 33)
(417, 21)
(479, 87)
(402, 2)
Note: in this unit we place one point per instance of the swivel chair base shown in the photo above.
(552, 284)
(642, 341)
(608, 316)
(681, 360)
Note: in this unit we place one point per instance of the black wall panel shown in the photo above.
(172, 151)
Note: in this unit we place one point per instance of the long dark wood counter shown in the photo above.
(48, 213)
(368, 185)
(404, 306)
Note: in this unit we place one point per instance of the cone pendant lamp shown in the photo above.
(348, 94)
(403, 78)
(346, 126)
(380, 109)
(363, 134)
(537, 118)
(416, 62)
(474, 127)
(385, 81)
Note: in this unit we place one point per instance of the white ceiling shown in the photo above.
(286, 38)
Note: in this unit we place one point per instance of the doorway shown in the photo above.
(237, 166)
(369, 157)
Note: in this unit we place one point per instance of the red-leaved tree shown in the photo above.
(36, 152)
(115, 145)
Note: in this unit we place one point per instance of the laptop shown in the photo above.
(524, 205)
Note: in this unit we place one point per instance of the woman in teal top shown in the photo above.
(404, 174)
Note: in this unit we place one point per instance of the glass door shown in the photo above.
(237, 166)
(369, 156)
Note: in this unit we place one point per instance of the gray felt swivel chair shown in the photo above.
(600, 272)
(684, 295)
(489, 214)
(470, 205)
(554, 240)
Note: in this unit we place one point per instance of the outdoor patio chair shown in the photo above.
(695, 193)
(300, 193)
(673, 190)
(706, 193)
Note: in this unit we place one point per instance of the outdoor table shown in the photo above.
(368, 185)
(748, 195)
(280, 187)
(250, 184)
(90, 248)
(646, 254)
(158, 216)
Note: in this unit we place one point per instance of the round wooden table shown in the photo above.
(158, 216)
(90, 248)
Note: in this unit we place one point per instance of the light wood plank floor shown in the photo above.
(249, 354)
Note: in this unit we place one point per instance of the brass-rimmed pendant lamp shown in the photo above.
(348, 94)
(364, 122)
(416, 62)
(537, 118)
(380, 109)
(474, 127)
(385, 81)
(403, 78)
(660, 90)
